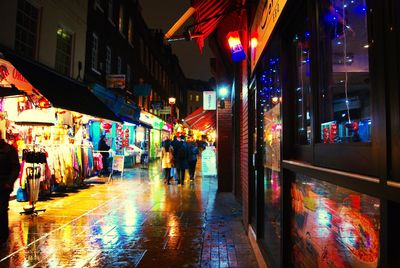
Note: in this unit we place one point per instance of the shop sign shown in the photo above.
(209, 100)
(166, 110)
(115, 81)
(266, 17)
(208, 162)
(9, 75)
(156, 105)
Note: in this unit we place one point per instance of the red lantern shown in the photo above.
(236, 46)
(106, 127)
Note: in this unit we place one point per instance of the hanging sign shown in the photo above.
(166, 110)
(266, 17)
(209, 100)
(115, 81)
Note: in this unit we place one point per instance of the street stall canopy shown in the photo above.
(61, 91)
(207, 14)
(202, 120)
(126, 111)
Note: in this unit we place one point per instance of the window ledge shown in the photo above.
(96, 71)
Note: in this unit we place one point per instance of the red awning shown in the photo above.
(201, 120)
(207, 16)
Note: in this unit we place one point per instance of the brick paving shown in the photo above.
(134, 222)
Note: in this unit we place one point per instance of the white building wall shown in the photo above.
(70, 14)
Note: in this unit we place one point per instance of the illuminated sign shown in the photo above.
(266, 17)
(209, 100)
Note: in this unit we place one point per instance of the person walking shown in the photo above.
(181, 159)
(103, 148)
(192, 158)
(166, 160)
(174, 144)
(9, 171)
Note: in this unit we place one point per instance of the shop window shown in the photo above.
(301, 46)
(333, 226)
(26, 29)
(345, 106)
(95, 52)
(271, 126)
(108, 60)
(63, 51)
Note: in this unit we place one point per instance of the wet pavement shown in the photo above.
(134, 222)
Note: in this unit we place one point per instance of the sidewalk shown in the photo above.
(134, 222)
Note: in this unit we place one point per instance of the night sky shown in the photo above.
(162, 14)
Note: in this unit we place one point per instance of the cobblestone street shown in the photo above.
(134, 222)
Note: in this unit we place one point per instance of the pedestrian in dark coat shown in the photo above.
(103, 147)
(9, 171)
(181, 159)
(193, 151)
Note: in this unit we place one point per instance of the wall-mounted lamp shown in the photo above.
(235, 44)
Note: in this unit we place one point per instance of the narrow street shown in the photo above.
(134, 222)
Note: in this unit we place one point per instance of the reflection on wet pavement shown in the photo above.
(136, 222)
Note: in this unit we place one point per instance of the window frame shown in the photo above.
(94, 62)
(71, 52)
(26, 31)
(108, 60)
(363, 158)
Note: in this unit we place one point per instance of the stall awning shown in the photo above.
(61, 91)
(202, 120)
(207, 15)
(127, 112)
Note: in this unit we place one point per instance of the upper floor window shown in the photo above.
(26, 28)
(190, 97)
(98, 5)
(110, 11)
(121, 19)
(119, 65)
(63, 51)
(197, 98)
(130, 31)
(95, 52)
(344, 100)
(108, 60)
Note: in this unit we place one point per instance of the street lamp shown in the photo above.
(171, 102)
(222, 94)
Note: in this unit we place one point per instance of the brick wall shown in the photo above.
(224, 148)
(244, 136)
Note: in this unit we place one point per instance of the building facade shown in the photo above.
(50, 32)
(119, 42)
(315, 117)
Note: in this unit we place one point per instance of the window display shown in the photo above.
(271, 122)
(345, 107)
(301, 45)
(333, 226)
